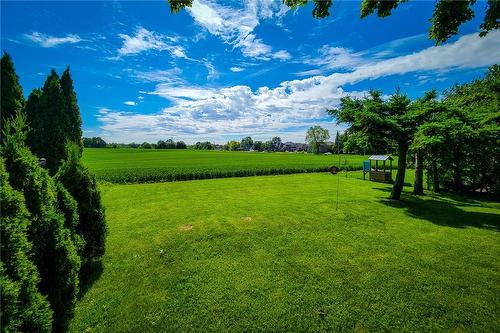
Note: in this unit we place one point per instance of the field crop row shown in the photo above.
(145, 166)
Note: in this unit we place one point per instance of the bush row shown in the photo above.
(152, 176)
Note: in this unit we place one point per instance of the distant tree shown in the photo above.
(233, 145)
(146, 145)
(206, 145)
(276, 143)
(24, 308)
(94, 142)
(375, 117)
(73, 124)
(161, 145)
(246, 143)
(267, 145)
(315, 136)
(257, 145)
(180, 145)
(83, 187)
(11, 94)
(54, 253)
(170, 144)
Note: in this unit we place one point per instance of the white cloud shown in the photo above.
(235, 26)
(144, 40)
(130, 103)
(172, 76)
(51, 41)
(236, 69)
(201, 112)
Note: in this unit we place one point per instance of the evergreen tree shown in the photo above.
(54, 253)
(35, 121)
(24, 309)
(74, 124)
(49, 126)
(83, 187)
(11, 94)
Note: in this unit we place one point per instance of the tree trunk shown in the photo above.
(400, 175)
(457, 174)
(435, 176)
(418, 185)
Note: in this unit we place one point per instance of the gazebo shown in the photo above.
(380, 172)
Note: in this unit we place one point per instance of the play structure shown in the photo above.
(379, 173)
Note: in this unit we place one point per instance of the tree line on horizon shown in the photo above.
(53, 227)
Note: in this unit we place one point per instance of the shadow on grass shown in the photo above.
(446, 210)
(89, 274)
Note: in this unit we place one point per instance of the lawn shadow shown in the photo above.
(446, 210)
(89, 274)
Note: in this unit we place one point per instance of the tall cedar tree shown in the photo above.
(377, 118)
(48, 121)
(54, 253)
(74, 129)
(11, 95)
(24, 308)
(83, 187)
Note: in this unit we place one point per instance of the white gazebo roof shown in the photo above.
(380, 158)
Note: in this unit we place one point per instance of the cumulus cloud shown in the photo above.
(51, 41)
(293, 105)
(236, 26)
(130, 103)
(144, 40)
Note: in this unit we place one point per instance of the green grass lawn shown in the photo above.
(147, 165)
(273, 254)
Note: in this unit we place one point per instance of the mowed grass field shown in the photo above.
(150, 165)
(274, 254)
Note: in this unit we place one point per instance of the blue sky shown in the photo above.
(227, 69)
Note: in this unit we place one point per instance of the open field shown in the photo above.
(273, 254)
(147, 165)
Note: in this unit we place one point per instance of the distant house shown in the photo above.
(218, 147)
(293, 147)
(326, 147)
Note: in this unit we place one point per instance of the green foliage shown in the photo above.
(24, 308)
(383, 8)
(461, 136)
(83, 187)
(374, 118)
(54, 253)
(11, 94)
(73, 128)
(68, 206)
(177, 5)
(147, 166)
(447, 17)
(206, 145)
(247, 143)
(233, 145)
(49, 122)
(315, 136)
(94, 142)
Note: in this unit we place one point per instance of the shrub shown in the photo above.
(68, 206)
(24, 308)
(54, 253)
(83, 187)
